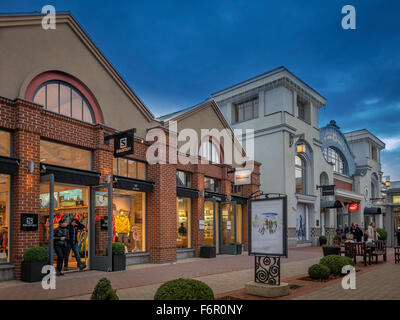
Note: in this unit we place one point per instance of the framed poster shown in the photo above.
(268, 226)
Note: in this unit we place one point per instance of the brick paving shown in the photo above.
(80, 284)
(382, 283)
(385, 278)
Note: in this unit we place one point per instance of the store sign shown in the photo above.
(328, 190)
(354, 207)
(242, 177)
(29, 221)
(123, 143)
(268, 226)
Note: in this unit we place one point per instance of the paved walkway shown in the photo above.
(225, 273)
(382, 283)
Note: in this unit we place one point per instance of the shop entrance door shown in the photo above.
(227, 228)
(101, 228)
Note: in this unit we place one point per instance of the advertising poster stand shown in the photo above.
(267, 243)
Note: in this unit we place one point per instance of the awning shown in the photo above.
(70, 175)
(330, 204)
(133, 184)
(208, 195)
(187, 192)
(373, 210)
(8, 165)
(239, 200)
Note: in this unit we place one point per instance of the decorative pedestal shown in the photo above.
(267, 290)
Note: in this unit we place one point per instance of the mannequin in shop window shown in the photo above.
(122, 227)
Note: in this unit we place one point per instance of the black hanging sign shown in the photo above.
(327, 190)
(29, 221)
(123, 142)
(104, 223)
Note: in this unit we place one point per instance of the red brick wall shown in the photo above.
(343, 185)
(30, 123)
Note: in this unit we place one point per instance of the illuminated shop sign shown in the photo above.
(354, 206)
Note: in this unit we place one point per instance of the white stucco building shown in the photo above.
(283, 110)
(297, 156)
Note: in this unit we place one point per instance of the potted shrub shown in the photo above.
(208, 251)
(118, 257)
(104, 291)
(330, 249)
(35, 258)
(382, 233)
(184, 289)
(323, 240)
(337, 239)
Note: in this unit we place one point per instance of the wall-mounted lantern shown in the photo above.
(301, 148)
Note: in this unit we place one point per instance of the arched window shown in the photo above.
(301, 174)
(335, 157)
(61, 97)
(374, 185)
(209, 151)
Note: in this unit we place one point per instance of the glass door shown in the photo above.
(209, 222)
(101, 228)
(227, 228)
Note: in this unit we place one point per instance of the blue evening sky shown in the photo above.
(174, 54)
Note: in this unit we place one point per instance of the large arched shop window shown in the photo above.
(301, 174)
(61, 97)
(334, 156)
(209, 151)
(374, 186)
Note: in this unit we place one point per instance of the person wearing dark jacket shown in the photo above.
(60, 238)
(358, 233)
(72, 243)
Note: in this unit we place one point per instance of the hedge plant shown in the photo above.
(319, 271)
(335, 263)
(324, 238)
(184, 289)
(36, 254)
(118, 249)
(382, 233)
(337, 238)
(104, 291)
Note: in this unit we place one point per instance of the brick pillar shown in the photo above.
(103, 163)
(197, 212)
(26, 185)
(161, 208)
(247, 191)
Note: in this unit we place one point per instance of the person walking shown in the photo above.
(72, 244)
(346, 230)
(353, 230)
(61, 236)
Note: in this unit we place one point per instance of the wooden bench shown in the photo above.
(357, 249)
(378, 250)
(396, 254)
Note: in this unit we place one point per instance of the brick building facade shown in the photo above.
(36, 140)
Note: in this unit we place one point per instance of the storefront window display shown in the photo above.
(129, 208)
(70, 202)
(4, 217)
(129, 168)
(183, 225)
(65, 155)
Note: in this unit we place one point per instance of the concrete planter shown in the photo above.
(32, 271)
